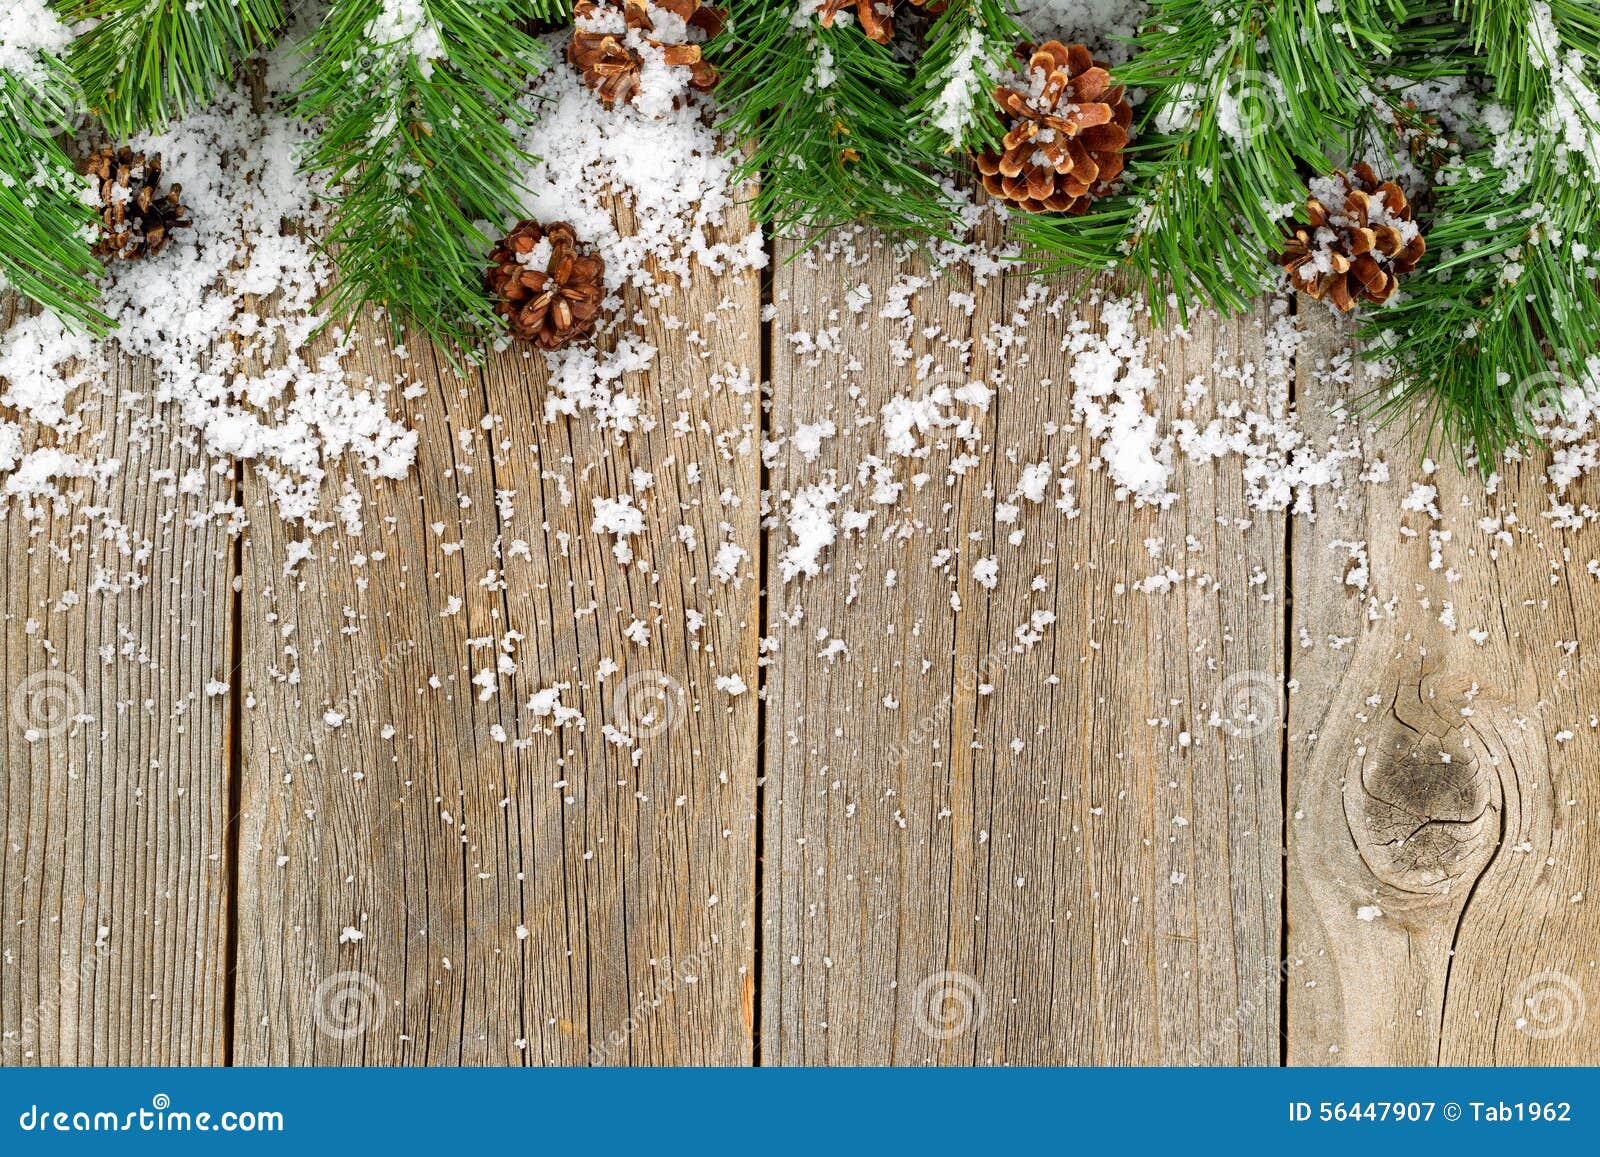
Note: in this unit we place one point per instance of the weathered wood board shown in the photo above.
(990, 842)
(117, 613)
(553, 896)
(1442, 747)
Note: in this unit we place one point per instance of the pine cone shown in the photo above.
(1066, 127)
(136, 219)
(546, 290)
(1358, 250)
(609, 36)
(876, 16)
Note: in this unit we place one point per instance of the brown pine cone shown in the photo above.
(1066, 127)
(876, 16)
(547, 291)
(136, 218)
(1358, 249)
(600, 47)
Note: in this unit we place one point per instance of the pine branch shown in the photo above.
(1497, 327)
(142, 63)
(44, 220)
(420, 143)
(1500, 322)
(969, 47)
(1523, 39)
(1240, 103)
(823, 112)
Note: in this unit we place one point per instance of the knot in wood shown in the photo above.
(1423, 800)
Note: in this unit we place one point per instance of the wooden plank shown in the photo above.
(113, 769)
(1440, 764)
(986, 851)
(557, 897)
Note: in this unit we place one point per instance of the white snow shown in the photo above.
(30, 31)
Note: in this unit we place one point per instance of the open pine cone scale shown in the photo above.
(1358, 250)
(137, 219)
(553, 306)
(611, 66)
(1063, 146)
(875, 16)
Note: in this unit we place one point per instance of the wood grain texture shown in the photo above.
(987, 842)
(989, 838)
(550, 896)
(1441, 750)
(117, 612)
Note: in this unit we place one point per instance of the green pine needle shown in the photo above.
(1240, 105)
(44, 221)
(969, 46)
(1502, 317)
(1501, 33)
(419, 153)
(1237, 111)
(142, 63)
(823, 114)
